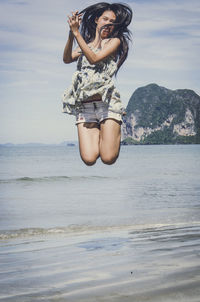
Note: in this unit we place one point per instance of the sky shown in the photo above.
(165, 50)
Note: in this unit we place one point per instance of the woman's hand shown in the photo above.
(74, 21)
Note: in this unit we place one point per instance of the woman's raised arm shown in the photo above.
(108, 49)
(70, 55)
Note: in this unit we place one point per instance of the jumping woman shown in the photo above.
(102, 36)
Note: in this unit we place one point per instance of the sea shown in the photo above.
(123, 232)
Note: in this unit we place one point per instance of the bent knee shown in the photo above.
(109, 160)
(89, 160)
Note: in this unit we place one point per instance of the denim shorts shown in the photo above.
(96, 112)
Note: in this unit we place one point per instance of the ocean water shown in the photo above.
(69, 232)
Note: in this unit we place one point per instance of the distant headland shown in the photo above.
(157, 115)
(64, 144)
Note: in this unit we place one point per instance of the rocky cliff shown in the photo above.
(157, 115)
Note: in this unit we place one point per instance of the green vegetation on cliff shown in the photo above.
(156, 115)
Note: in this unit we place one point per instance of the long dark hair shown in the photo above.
(123, 18)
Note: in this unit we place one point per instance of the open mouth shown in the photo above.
(106, 30)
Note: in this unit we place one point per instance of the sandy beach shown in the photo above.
(143, 263)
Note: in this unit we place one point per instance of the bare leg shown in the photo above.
(110, 135)
(88, 134)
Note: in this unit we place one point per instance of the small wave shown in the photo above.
(35, 179)
(89, 229)
(30, 232)
(69, 230)
(28, 179)
(44, 178)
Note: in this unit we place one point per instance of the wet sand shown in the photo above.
(144, 263)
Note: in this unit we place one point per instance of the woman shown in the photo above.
(92, 97)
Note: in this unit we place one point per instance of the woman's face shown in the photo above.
(108, 17)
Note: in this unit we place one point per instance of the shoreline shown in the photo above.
(153, 265)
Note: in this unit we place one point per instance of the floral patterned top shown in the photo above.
(89, 80)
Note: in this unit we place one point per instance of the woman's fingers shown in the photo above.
(74, 15)
(74, 20)
(69, 20)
